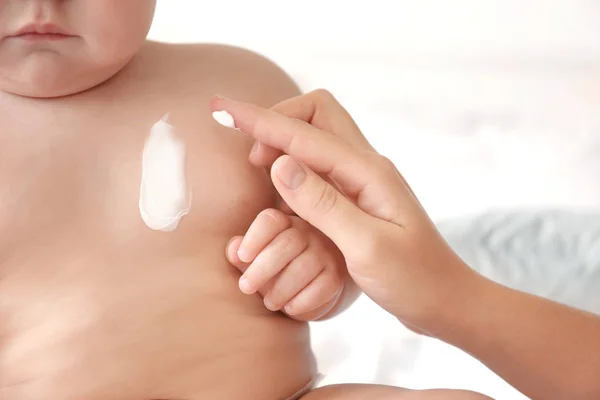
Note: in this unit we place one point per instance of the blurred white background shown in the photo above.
(481, 104)
(408, 70)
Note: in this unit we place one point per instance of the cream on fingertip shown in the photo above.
(224, 118)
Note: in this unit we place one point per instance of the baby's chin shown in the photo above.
(53, 82)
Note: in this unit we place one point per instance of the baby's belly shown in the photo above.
(144, 321)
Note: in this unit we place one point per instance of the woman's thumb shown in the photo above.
(319, 203)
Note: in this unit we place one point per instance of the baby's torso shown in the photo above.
(87, 286)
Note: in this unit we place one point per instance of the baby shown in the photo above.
(97, 301)
(96, 305)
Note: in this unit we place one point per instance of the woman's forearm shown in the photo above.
(544, 349)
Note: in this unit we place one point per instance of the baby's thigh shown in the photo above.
(380, 392)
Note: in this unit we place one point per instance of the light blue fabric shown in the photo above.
(554, 254)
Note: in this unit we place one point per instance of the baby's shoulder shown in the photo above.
(207, 69)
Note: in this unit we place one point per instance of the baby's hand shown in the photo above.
(292, 265)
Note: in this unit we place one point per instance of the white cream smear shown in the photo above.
(164, 197)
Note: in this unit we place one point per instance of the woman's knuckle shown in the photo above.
(326, 201)
(384, 171)
(323, 95)
(384, 164)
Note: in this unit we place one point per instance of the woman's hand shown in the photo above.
(397, 257)
(332, 177)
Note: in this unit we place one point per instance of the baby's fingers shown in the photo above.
(268, 224)
(324, 289)
(232, 254)
(295, 277)
(232, 257)
(272, 259)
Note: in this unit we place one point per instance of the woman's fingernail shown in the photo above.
(255, 147)
(245, 286)
(291, 173)
(224, 118)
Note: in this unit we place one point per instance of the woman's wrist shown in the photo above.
(457, 305)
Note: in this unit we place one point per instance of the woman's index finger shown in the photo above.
(321, 152)
(322, 110)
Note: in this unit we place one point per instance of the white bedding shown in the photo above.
(480, 105)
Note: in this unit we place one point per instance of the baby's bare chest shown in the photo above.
(70, 209)
(76, 255)
(87, 178)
